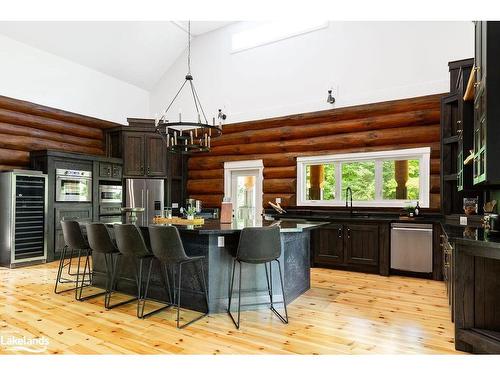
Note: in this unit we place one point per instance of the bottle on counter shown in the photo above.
(417, 210)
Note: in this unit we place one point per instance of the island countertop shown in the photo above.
(213, 226)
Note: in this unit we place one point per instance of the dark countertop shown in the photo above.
(213, 226)
(471, 235)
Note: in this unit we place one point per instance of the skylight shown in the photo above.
(270, 32)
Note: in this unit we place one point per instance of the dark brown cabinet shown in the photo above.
(110, 171)
(329, 244)
(349, 245)
(142, 149)
(361, 244)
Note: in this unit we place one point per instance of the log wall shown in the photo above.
(389, 125)
(26, 126)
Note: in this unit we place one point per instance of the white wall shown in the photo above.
(30, 74)
(364, 62)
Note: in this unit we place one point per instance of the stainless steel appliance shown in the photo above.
(110, 194)
(411, 247)
(146, 193)
(73, 185)
(23, 213)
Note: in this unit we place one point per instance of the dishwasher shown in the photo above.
(411, 247)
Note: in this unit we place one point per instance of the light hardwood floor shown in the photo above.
(342, 313)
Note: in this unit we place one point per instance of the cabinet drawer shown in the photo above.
(83, 214)
(104, 170)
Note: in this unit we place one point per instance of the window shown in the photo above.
(269, 32)
(377, 179)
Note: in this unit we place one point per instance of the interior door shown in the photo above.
(244, 194)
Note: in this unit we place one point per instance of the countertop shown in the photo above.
(470, 235)
(213, 226)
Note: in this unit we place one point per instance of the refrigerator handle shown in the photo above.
(147, 207)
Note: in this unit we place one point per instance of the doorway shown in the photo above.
(243, 187)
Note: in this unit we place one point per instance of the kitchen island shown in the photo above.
(218, 243)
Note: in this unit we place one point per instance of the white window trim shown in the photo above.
(243, 165)
(421, 153)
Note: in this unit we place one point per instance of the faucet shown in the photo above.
(348, 192)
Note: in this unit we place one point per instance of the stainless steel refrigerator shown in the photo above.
(146, 193)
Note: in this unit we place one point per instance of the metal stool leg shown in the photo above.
(236, 322)
(86, 267)
(108, 306)
(146, 295)
(283, 319)
(59, 270)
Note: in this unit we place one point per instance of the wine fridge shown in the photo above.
(23, 218)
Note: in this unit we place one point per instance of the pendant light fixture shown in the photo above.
(187, 137)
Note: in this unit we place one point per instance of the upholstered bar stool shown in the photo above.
(74, 241)
(131, 245)
(100, 242)
(167, 247)
(258, 246)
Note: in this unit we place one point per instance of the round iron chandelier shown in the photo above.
(187, 137)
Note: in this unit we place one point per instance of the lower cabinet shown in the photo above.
(351, 246)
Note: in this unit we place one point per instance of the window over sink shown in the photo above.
(394, 178)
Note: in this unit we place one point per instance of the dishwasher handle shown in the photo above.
(412, 229)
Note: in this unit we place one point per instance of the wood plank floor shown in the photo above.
(343, 313)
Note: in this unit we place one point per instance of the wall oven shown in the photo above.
(73, 185)
(110, 194)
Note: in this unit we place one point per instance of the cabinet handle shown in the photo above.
(339, 234)
(348, 232)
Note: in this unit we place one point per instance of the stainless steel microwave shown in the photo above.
(110, 194)
(73, 185)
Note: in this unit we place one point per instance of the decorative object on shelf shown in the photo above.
(489, 207)
(187, 137)
(470, 206)
(469, 158)
(226, 212)
(471, 86)
(277, 207)
(330, 98)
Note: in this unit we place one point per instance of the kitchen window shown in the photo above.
(395, 178)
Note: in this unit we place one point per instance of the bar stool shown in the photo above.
(167, 247)
(100, 242)
(259, 246)
(131, 245)
(74, 241)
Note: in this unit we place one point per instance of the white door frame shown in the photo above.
(245, 165)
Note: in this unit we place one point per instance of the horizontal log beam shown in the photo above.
(23, 143)
(300, 131)
(208, 200)
(289, 159)
(346, 113)
(12, 167)
(14, 157)
(279, 185)
(53, 113)
(384, 137)
(280, 172)
(214, 186)
(43, 134)
(43, 123)
(209, 173)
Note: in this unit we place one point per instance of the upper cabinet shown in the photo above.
(141, 148)
(486, 136)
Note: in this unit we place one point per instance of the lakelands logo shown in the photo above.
(24, 344)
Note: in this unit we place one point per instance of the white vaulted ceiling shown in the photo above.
(137, 52)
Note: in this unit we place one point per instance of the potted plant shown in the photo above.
(190, 212)
(410, 210)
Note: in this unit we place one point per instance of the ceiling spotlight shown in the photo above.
(330, 98)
